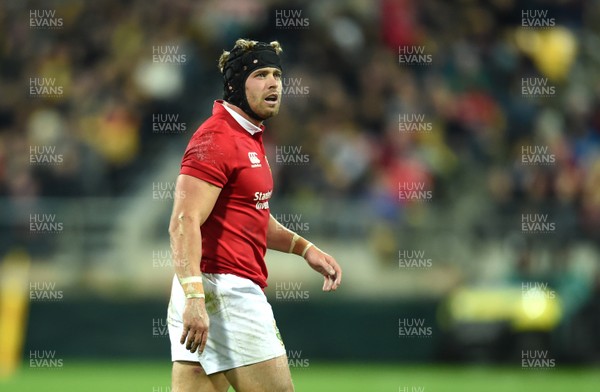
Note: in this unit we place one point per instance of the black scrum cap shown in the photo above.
(240, 64)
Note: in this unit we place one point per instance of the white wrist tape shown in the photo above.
(306, 248)
(190, 279)
(194, 295)
(293, 244)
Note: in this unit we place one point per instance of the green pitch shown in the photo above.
(77, 376)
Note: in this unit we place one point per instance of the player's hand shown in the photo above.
(195, 325)
(325, 265)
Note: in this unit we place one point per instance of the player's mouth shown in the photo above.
(272, 99)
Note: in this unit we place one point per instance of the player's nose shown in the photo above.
(272, 80)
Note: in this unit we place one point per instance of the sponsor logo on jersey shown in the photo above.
(254, 160)
(262, 200)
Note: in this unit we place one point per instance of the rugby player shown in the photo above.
(221, 327)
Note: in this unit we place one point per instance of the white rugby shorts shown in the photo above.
(242, 329)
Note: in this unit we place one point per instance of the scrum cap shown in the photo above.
(240, 64)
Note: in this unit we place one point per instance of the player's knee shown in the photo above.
(186, 376)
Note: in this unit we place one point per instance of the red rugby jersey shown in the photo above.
(234, 236)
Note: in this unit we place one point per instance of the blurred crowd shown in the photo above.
(360, 118)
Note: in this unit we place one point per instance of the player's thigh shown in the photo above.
(190, 377)
(267, 376)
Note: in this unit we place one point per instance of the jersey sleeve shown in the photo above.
(209, 156)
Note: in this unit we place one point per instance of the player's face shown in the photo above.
(263, 91)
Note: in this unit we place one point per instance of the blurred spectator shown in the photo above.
(466, 93)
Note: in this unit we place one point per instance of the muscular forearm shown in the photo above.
(282, 239)
(186, 246)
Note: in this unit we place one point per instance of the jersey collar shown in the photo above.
(247, 125)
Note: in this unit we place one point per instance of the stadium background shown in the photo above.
(98, 100)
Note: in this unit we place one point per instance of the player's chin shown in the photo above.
(269, 112)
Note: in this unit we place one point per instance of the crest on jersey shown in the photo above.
(254, 160)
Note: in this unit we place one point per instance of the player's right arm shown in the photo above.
(194, 200)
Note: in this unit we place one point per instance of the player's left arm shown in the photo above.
(282, 239)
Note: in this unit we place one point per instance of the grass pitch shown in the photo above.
(77, 375)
